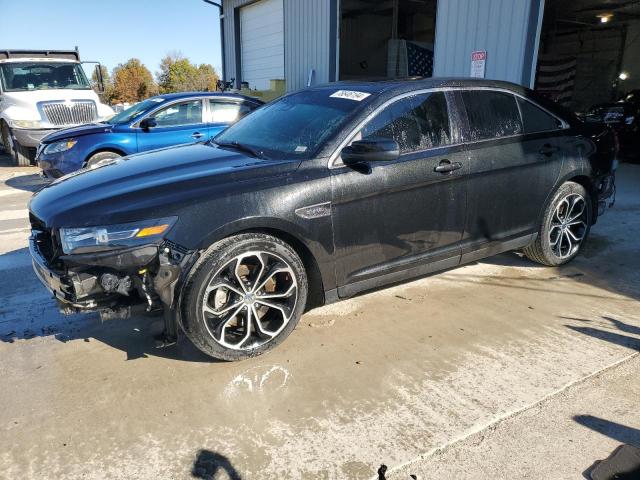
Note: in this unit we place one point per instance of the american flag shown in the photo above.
(556, 78)
(420, 61)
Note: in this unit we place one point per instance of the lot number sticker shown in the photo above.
(350, 95)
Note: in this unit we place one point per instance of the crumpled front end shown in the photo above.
(111, 282)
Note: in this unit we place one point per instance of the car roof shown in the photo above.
(179, 95)
(402, 85)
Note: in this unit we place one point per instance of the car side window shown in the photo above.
(181, 113)
(535, 119)
(227, 112)
(491, 114)
(417, 123)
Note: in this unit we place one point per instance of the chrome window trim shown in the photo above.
(334, 159)
(205, 106)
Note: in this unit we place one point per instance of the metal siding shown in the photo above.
(501, 27)
(307, 41)
(306, 37)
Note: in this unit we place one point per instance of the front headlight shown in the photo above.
(58, 147)
(25, 123)
(92, 239)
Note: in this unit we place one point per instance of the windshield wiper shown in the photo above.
(243, 148)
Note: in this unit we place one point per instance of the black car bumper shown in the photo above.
(145, 274)
(606, 193)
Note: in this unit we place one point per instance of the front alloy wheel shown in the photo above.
(250, 300)
(244, 296)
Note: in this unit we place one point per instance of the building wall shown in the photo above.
(631, 59)
(507, 29)
(309, 26)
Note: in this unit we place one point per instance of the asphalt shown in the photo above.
(499, 369)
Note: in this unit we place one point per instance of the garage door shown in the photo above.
(262, 43)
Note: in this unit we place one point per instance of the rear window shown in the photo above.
(491, 114)
(227, 112)
(535, 119)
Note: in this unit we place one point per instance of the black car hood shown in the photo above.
(153, 184)
(77, 132)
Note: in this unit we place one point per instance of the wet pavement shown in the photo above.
(386, 377)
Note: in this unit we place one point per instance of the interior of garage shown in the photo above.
(386, 39)
(589, 51)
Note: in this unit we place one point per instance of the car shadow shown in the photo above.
(28, 311)
(208, 465)
(30, 182)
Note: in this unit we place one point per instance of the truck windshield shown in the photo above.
(26, 76)
(295, 126)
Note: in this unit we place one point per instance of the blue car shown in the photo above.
(157, 122)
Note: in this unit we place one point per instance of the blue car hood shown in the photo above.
(153, 184)
(78, 131)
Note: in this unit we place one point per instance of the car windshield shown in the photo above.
(295, 126)
(134, 111)
(26, 76)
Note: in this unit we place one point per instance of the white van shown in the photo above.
(41, 92)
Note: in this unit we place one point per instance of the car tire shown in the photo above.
(96, 158)
(564, 228)
(6, 138)
(19, 154)
(248, 279)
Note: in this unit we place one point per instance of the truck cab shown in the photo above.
(42, 92)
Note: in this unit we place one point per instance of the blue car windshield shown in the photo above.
(133, 112)
(295, 126)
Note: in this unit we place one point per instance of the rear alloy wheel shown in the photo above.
(244, 297)
(564, 228)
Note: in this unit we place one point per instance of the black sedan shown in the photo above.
(320, 195)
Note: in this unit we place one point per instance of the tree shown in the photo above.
(132, 82)
(178, 74)
(106, 83)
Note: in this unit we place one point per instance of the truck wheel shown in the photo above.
(565, 226)
(244, 296)
(96, 158)
(7, 142)
(19, 154)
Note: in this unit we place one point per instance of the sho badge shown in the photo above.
(315, 211)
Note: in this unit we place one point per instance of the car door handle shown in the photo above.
(197, 135)
(445, 166)
(548, 150)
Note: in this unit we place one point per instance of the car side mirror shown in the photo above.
(148, 123)
(373, 149)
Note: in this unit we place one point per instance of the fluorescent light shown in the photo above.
(623, 75)
(605, 17)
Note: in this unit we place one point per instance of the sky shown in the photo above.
(112, 31)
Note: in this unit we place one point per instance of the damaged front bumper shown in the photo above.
(606, 190)
(112, 281)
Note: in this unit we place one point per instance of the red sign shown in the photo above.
(480, 55)
(478, 61)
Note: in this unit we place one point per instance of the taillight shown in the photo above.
(616, 142)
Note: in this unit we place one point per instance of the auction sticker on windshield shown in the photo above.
(350, 95)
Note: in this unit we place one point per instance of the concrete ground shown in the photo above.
(499, 369)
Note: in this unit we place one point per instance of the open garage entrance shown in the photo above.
(589, 52)
(386, 39)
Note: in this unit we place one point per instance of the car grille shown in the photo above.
(45, 242)
(75, 112)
